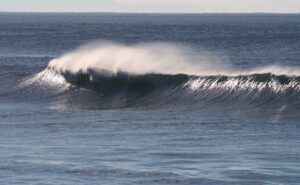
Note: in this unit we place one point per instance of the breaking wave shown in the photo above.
(163, 73)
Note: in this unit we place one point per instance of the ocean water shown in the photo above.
(160, 99)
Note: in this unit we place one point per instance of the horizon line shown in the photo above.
(102, 12)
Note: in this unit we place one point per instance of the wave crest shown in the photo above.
(157, 58)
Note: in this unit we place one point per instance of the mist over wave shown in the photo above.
(158, 58)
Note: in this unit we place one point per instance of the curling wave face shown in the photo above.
(152, 73)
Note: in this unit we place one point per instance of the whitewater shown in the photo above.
(115, 68)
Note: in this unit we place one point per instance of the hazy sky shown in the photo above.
(179, 6)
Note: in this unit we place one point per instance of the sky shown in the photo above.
(152, 6)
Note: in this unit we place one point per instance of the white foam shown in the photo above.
(236, 84)
(47, 78)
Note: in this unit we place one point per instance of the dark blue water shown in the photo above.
(155, 99)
